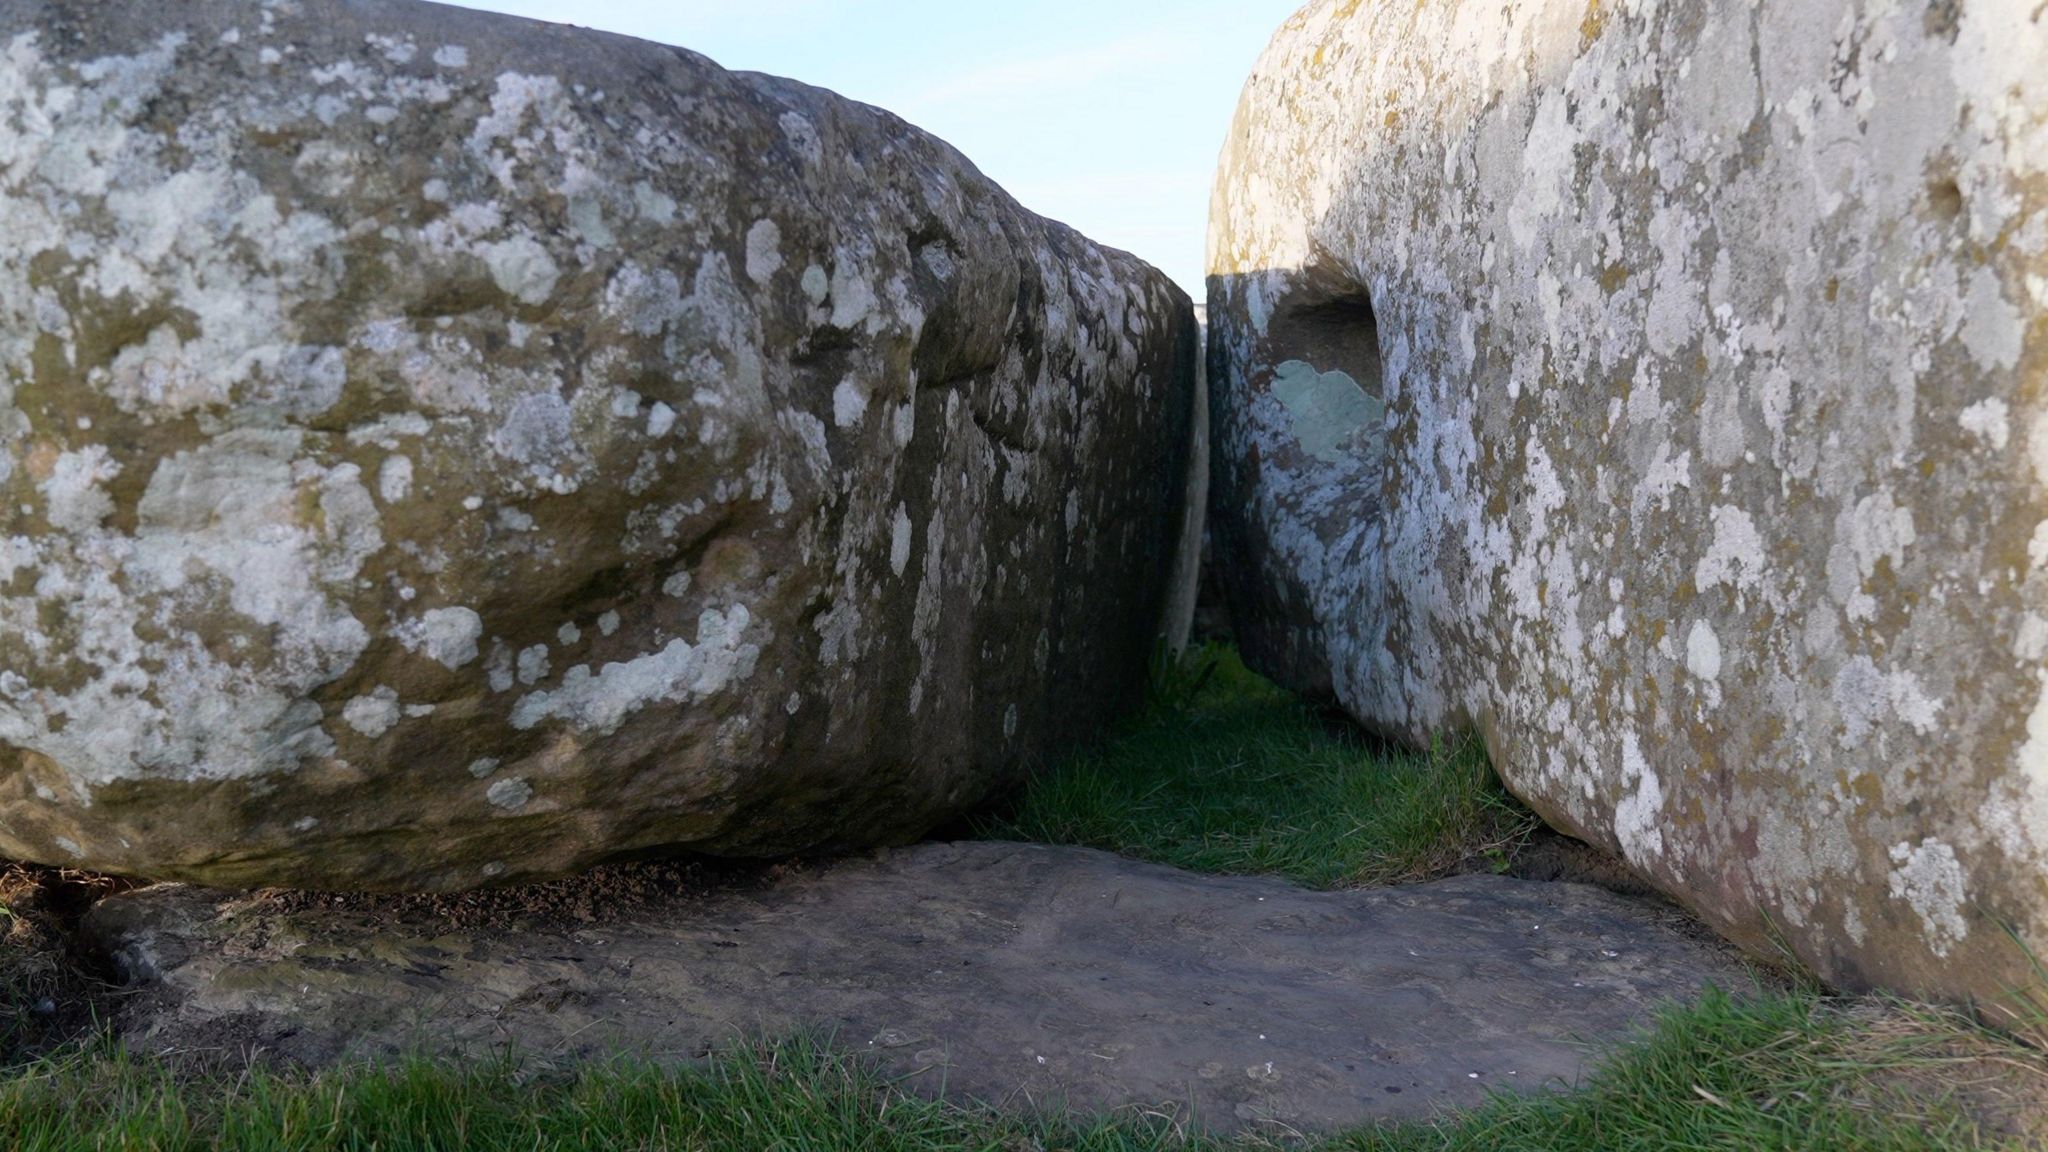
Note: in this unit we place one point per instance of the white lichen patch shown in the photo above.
(849, 403)
(75, 500)
(241, 523)
(510, 793)
(899, 540)
(600, 701)
(816, 285)
(372, 715)
(1990, 421)
(1639, 817)
(764, 251)
(394, 479)
(1930, 879)
(1736, 557)
(1703, 651)
(533, 665)
(447, 636)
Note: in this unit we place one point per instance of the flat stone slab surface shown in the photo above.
(1014, 974)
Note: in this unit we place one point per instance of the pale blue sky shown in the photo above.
(1107, 114)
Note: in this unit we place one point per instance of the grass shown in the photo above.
(1787, 1071)
(1226, 773)
(1783, 1070)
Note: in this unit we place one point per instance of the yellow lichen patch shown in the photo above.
(1590, 27)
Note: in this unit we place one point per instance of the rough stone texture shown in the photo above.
(1190, 561)
(1659, 389)
(438, 448)
(1007, 972)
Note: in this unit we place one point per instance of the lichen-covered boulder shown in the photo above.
(438, 448)
(1662, 390)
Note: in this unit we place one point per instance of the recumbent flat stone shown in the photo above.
(1014, 974)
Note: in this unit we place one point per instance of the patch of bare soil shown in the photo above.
(610, 894)
(1556, 857)
(52, 989)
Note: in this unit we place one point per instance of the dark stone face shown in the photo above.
(438, 448)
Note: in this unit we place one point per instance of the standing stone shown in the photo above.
(438, 448)
(1662, 391)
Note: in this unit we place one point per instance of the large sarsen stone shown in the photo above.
(1662, 390)
(439, 448)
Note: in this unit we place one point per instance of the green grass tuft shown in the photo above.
(1787, 1070)
(1226, 773)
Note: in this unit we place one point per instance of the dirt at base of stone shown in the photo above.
(602, 896)
(1553, 856)
(51, 988)
(1006, 973)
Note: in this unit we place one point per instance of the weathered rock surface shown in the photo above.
(1660, 391)
(438, 448)
(1005, 972)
